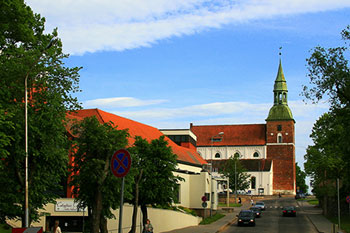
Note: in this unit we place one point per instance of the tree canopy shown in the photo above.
(232, 169)
(24, 53)
(329, 157)
(94, 184)
(300, 179)
(153, 167)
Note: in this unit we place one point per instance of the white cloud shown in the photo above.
(118, 102)
(96, 25)
(203, 110)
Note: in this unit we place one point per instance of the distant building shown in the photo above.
(267, 151)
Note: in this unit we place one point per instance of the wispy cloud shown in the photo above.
(224, 112)
(202, 110)
(118, 102)
(109, 25)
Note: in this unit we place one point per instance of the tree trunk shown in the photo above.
(136, 203)
(96, 211)
(144, 215)
(103, 224)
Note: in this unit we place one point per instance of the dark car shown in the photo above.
(289, 211)
(246, 217)
(256, 210)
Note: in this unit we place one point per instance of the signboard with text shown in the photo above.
(67, 206)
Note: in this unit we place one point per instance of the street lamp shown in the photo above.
(211, 170)
(26, 199)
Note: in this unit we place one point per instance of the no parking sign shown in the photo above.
(120, 163)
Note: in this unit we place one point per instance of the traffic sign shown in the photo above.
(348, 199)
(120, 163)
(204, 205)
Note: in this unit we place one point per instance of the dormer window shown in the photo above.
(216, 139)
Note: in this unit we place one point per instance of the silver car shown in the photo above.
(260, 204)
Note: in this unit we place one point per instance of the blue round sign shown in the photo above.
(120, 163)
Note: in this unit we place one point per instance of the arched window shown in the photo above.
(217, 156)
(253, 182)
(256, 155)
(279, 138)
(237, 155)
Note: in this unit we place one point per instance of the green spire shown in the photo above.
(280, 109)
(280, 82)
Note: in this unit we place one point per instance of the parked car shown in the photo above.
(260, 204)
(289, 211)
(256, 210)
(246, 217)
(299, 195)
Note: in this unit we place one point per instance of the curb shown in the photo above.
(221, 229)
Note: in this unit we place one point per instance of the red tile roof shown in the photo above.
(138, 129)
(234, 135)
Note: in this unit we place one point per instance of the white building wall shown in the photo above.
(226, 152)
(263, 180)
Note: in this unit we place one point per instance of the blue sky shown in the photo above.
(167, 63)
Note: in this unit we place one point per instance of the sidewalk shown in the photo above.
(214, 227)
(321, 223)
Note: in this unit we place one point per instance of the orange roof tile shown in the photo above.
(234, 135)
(145, 131)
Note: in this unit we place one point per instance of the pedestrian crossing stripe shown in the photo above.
(278, 207)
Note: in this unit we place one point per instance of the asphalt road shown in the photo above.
(273, 221)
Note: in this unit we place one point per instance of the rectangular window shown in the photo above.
(279, 127)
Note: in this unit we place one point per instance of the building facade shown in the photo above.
(266, 150)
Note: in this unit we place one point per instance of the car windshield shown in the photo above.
(254, 208)
(245, 214)
(260, 203)
(289, 208)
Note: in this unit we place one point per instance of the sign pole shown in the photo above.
(120, 166)
(121, 206)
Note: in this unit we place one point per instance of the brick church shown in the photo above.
(267, 150)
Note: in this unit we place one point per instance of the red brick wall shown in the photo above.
(283, 166)
(283, 155)
(287, 131)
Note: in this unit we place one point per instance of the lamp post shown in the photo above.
(211, 170)
(26, 199)
(235, 182)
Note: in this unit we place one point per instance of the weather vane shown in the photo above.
(280, 53)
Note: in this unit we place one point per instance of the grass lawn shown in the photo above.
(211, 219)
(313, 202)
(4, 228)
(344, 222)
(231, 205)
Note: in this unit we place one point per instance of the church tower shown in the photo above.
(280, 138)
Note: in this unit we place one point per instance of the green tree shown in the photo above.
(300, 179)
(329, 157)
(153, 167)
(94, 184)
(24, 53)
(232, 169)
